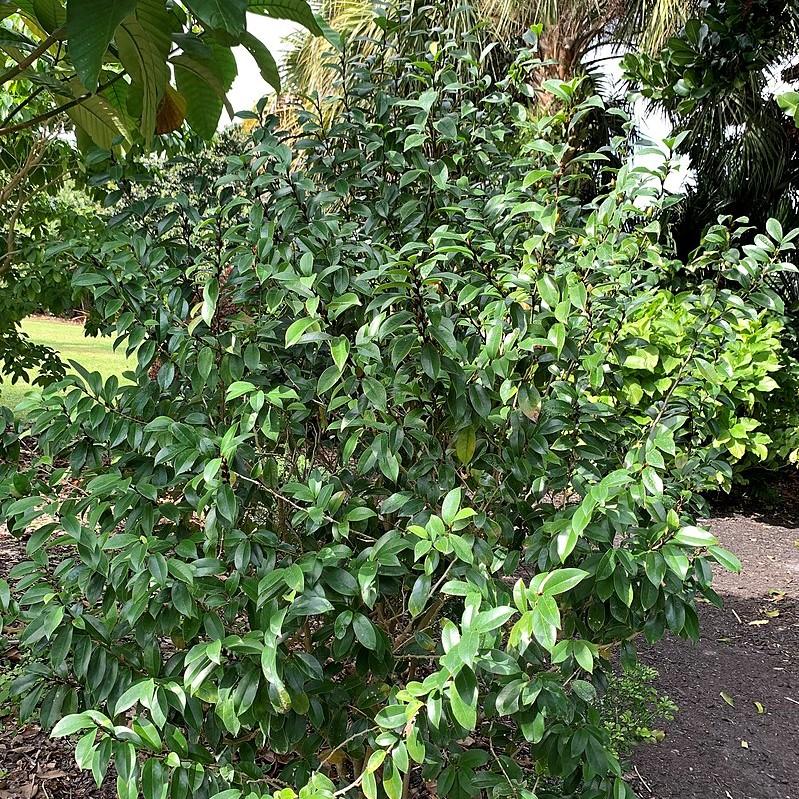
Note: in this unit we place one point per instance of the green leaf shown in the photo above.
(548, 290)
(507, 701)
(562, 580)
(298, 328)
(645, 358)
(238, 389)
(566, 542)
(141, 692)
(451, 506)
(369, 785)
(465, 445)
(392, 781)
(155, 780)
(84, 750)
(375, 392)
(328, 379)
(655, 568)
(694, 537)
(264, 59)
(652, 481)
(364, 631)
(375, 760)
(72, 724)
(392, 717)
(91, 25)
(774, 229)
(98, 119)
(204, 73)
(725, 558)
(488, 620)
(340, 349)
(419, 594)
(226, 15)
(296, 10)
(463, 698)
(583, 655)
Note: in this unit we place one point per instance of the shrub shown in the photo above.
(632, 705)
(414, 444)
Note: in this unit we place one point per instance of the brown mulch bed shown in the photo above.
(749, 651)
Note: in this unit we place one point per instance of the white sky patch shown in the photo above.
(249, 87)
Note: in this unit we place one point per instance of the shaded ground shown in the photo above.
(749, 652)
(32, 765)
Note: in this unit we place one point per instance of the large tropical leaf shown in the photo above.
(97, 118)
(296, 10)
(90, 28)
(265, 60)
(51, 14)
(171, 111)
(226, 15)
(204, 72)
(144, 40)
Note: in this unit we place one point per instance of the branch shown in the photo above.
(53, 112)
(19, 106)
(28, 60)
(33, 159)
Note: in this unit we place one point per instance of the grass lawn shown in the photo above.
(95, 354)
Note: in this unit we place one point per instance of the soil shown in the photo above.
(735, 736)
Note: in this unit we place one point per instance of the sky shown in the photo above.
(249, 86)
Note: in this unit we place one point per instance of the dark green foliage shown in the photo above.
(713, 80)
(416, 439)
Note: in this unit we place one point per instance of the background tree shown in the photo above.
(116, 74)
(715, 81)
(110, 65)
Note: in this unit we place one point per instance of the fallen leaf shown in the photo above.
(760, 709)
(758, 622)
(52, 775)
(744, 744)
(727, 698)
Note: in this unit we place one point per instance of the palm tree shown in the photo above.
(714, 80)
(575, 33)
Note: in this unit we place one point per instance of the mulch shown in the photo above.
(736, 735)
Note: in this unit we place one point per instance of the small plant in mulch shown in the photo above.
(632, 708)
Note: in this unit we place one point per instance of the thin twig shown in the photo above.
(29, 59)
(643, 781)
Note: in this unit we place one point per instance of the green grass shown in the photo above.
(95, 354)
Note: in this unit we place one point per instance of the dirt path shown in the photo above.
(749, 651)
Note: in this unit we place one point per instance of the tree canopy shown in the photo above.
(130, 69)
